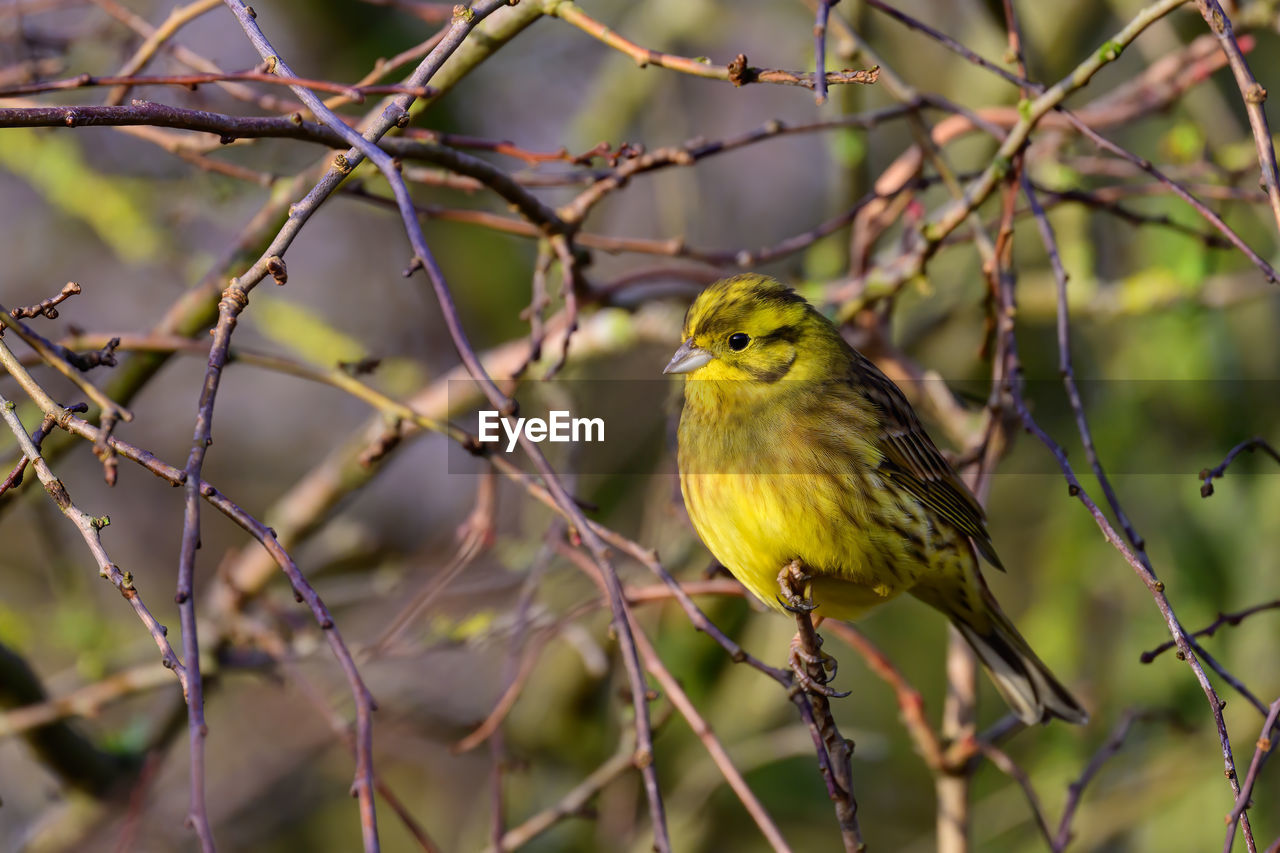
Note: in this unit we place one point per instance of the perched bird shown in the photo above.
(795, 447)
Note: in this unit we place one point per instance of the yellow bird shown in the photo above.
(794, 446)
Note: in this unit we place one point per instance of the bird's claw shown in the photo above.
(796, 604)
(824, 668)
(829, 665)
(813, 667)
(794, 583)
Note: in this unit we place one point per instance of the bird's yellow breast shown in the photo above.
(764, 487)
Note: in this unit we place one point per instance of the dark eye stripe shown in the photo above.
(789, 334)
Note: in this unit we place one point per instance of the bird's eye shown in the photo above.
(738, 341)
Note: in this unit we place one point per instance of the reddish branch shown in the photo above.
(192, 81)
(910, 702)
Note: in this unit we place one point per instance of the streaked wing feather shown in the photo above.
(914, 461)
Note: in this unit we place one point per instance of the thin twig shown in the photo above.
(910, 702)
(830, 744)
(61, 362)
(1209, 630)
(934, 230)
(1067, 371)
(737, 72)
(47, 308)
(1076, 789)
(1208, 475)
(1266, 745)
(1198, 206)
(86, 701)
(820, 50)
(14, 478)
(1010, 768)
(235, 299)
(156, 39)
(1139, 565)
(90, 530)
(424, 259)
(954, 46)
(701, 728)
(573, 802)
(1254, 96)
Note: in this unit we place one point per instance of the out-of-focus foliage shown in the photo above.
(55, 167)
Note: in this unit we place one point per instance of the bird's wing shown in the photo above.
(913, 461)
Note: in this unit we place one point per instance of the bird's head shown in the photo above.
(750, 327)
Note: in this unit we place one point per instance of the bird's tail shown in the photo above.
(1026, 684)
(1023, 680)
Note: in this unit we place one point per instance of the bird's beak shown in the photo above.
(688, 359)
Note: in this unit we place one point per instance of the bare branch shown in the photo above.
(1263, 751)
(1254, 96)
(737, 72)
(1208, 475)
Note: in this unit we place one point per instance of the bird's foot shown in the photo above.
(813, 671)
(794, 583)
